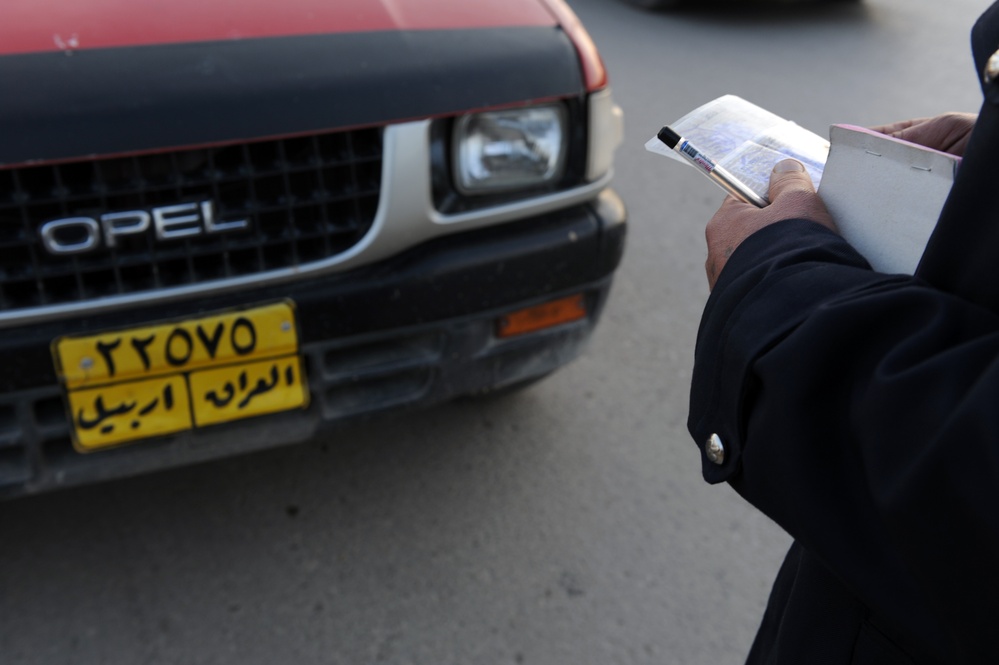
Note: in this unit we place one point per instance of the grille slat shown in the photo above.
(306, 198)
(212, 176)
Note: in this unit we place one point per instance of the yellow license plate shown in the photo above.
(137, 383)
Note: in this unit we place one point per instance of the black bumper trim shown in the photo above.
(349, 380)
(412, 332)
(451, 277)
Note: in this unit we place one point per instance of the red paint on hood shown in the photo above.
(594, 70)
(49, 25)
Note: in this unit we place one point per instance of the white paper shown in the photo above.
(885, 195)
(747, 140)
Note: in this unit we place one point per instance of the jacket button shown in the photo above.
(715, 449)
(991, 72)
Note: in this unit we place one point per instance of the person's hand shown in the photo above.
(792, 196)
(948, 132)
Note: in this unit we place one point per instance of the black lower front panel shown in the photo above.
(414, 331)
(348, 379)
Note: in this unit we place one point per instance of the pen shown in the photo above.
(729, 182)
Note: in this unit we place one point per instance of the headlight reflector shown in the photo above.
(510, 149)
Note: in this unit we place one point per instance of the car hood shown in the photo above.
(130, 77)
(28, 26)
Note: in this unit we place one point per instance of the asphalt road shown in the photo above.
(566, 525)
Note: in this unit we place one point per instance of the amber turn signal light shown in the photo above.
(539, 317)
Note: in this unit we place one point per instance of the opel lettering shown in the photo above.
(76, 235)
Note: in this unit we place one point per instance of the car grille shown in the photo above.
(306, 198)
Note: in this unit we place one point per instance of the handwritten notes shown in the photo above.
(133, 384)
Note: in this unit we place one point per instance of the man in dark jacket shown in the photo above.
(861, 410)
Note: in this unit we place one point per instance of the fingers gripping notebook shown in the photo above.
(885, 194)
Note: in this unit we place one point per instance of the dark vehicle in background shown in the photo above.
(222, 232)
(660, 5)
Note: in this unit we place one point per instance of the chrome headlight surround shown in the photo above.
(510, 149)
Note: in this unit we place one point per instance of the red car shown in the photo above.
(226, 230)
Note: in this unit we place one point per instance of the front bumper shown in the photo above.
(408, 332)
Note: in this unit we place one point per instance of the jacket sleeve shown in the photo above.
(860, 411)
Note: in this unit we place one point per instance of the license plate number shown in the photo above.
(127, 385)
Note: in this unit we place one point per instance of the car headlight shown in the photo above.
(510, 149)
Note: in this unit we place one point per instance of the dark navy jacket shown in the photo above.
(861, 412)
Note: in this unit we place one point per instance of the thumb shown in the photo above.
(789, 175)
(793, 195)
